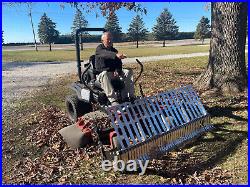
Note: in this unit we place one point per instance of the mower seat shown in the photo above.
(92, 61)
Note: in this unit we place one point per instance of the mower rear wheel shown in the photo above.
(76, 108)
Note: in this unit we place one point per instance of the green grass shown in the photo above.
(69, 55)
(224, 148)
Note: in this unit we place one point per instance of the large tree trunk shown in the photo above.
(50, 47)
(137, 43)
(163, 43)
(226, 68)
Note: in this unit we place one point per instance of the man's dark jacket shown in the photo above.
(106, 59)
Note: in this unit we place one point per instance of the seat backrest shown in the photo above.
(92, 61)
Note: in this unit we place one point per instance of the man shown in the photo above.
(108, 62)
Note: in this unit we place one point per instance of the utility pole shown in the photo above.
(31, 21)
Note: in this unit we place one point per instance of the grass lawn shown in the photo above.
(70, 55)
(220, 157)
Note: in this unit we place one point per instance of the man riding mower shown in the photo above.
(137, 128)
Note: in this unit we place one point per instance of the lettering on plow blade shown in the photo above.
(151, 126)
(120, 165)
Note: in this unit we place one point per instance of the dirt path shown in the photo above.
(20, 79)
(93, 45)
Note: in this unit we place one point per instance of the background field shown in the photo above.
(69, 55)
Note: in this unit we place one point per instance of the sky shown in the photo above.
(17, 28)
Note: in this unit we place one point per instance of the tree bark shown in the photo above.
(137, 43)
(226, 69)
(50, 47)
(163, 43)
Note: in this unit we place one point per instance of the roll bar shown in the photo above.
(78, 58)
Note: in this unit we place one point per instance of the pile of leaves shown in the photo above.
(56, 159)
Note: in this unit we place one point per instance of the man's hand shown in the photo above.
(116, 74)
(121, 56)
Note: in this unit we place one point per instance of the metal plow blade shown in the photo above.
(154, 125)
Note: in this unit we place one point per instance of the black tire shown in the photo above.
(76, 108)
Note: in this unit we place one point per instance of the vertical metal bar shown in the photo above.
(116, 129)
(147, 116)
(120, 124)
(179, 107)
(175, 109)
(152, 115)
(157, 114)
(143, 118)
(193, 105)
(189, 87)
(160, 111)
(195, 102)
(125, 121)
(186, 103)
(172, 109)
(161, 99)
(137, 121)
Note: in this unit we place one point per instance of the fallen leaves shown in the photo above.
(57, 161)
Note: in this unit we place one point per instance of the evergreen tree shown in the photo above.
(202, 29)
(47, 31)
(137, 30)
(112, 25)
(165, 27)
(79, 22)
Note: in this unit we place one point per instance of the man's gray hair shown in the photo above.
(105, 34)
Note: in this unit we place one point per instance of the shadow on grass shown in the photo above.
(205, 153)
(218, 111)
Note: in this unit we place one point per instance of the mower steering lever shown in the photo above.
(141, 65)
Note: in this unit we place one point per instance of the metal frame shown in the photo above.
(156, 124)
(78, 58)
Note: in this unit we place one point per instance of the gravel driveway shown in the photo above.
(20, 79)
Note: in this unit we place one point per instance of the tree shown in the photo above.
(137, 30)
(107, 8)
(226, 69)
(112, 25)
(165, 27)
(202, 29)
(46, 31)
(79, 22)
